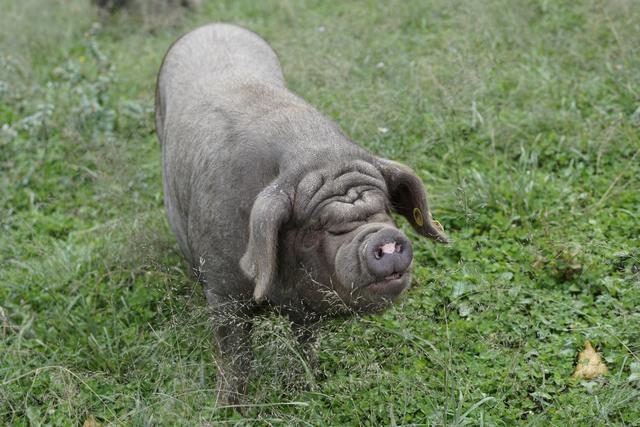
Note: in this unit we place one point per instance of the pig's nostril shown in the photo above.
(399, 248)
(387, 248)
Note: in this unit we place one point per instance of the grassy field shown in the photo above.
(523, 119)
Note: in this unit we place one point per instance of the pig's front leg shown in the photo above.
(232, 332)
(308, 343)
(233, 343)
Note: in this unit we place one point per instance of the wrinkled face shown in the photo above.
(346, 240)
(330, 234)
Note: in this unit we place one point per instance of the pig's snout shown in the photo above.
(387, 253)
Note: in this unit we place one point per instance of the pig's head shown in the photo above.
(331, 234)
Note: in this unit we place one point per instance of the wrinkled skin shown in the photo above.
(271, 204)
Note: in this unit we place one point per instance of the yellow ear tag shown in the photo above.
(417, 216)
(436, 223)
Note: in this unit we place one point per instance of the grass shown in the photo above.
(523, 119)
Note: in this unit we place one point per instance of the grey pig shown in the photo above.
(271, 203)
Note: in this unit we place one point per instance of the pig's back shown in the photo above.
(209, 60)
(207, 97)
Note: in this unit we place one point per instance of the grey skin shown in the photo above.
(271, 204)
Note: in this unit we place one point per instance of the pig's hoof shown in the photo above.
(229, 397)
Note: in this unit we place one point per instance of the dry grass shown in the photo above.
(521, 117)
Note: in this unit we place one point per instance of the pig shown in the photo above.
(272, 205)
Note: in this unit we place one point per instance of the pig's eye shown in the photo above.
(339, 230)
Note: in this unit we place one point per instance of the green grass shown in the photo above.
(523, 119)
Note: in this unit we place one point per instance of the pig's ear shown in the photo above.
(409, 199)
(271, 209)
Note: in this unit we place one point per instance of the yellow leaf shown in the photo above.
(91, 422)
(590, 364)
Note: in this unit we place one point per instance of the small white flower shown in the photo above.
(380, 65)
(8, 131)
(321, 29)
(383, 130)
